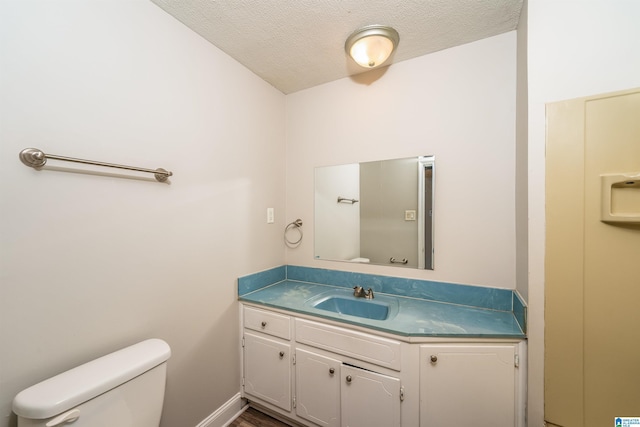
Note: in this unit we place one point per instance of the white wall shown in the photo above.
(575, 48)
(457, 104)
(92, 263)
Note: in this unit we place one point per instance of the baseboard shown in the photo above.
(225, 414)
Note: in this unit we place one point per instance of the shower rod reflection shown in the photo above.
(36, 158)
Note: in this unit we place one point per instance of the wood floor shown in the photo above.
(253, 418)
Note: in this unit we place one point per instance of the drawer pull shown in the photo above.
(281, 354)
(434, 358)
(349, 378)
(264, 324)
(332, 371)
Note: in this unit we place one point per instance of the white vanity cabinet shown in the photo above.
(357, 373)
(318, 381)
(267, 370)
(267, 357)
(319, 373)
(331, 393)
(468, 384)
(369, 399)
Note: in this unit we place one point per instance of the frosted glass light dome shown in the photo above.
(371, 46)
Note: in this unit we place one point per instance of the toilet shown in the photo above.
(124, 389)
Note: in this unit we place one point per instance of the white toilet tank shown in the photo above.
(123, 389)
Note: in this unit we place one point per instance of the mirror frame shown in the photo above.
(425, 212)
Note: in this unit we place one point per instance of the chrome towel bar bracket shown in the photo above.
(36, 158)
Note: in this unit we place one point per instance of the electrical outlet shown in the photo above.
(410, 215)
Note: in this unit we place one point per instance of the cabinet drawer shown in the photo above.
(361, 346)
(267, 322)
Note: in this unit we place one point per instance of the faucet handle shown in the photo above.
(358, 291)
(369, 293)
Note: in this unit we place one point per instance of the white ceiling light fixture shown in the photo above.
(372, 45)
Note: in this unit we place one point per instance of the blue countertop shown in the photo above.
(415, 317)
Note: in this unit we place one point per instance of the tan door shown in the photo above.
(592, 279)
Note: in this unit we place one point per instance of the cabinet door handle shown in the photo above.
(348, 378)
(434, 358)
(332, 371)
(264, 324)
(281, 354)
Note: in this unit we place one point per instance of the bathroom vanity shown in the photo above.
(416, 367)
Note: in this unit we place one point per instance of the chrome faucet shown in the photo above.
(359, 292)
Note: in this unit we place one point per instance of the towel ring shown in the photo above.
(297, 224)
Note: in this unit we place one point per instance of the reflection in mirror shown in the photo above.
(376, 212)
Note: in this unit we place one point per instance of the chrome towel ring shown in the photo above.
(297, 224)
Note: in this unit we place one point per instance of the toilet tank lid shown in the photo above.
(78, 385)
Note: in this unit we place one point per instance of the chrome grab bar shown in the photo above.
(36, 158)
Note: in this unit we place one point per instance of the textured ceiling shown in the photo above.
(297, 44)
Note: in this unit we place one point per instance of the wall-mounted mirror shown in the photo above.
(376, 212)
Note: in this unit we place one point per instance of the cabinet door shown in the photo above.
(318, 388)
(369, 399)
(267, 370)
(464, 385)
